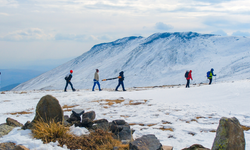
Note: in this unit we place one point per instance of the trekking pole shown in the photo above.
(215, 79)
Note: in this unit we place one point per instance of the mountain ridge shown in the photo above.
(159, 59)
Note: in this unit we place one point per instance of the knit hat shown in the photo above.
(71, 71)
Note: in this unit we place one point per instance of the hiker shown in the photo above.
(96, 80)
(210, 75)
(68, 79)
(120, 81)
(188, 76)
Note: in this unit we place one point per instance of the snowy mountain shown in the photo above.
(160, 59)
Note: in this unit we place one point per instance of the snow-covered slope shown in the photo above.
(159, 59)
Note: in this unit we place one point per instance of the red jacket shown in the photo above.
(189, 75)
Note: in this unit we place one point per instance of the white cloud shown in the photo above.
(162, 26)
(27, 35)
(239, 33)
(220, 32)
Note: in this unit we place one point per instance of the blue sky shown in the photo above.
(51, 32)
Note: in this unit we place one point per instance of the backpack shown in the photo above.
(186, 74)
(208, 74)
(66, 78)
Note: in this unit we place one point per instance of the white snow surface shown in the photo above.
(190, 112)
(160, 59)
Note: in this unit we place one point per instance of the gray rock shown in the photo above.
(91, 115)
(27, 125)
(229, 135)
(13, 122)
(5, 129)
(21, 147)
(86, 122)
(196, 147)
(119, 122)
(76, 115)
(102, 124)
(7, 146)
(146, 142)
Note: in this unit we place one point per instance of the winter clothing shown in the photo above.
(71, 71)
(120, 81)
(68, 79)
(188, 78)
(96, 80)
(211, 76)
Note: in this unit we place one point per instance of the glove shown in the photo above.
(103, 79)
(119, 77)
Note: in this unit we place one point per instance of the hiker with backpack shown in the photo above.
(96, 80)
(210, 75)
(120, 80)
(188, 76)
(68, 81)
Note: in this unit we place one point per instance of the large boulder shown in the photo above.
(229, 135)
(48, 109)
(146, 142)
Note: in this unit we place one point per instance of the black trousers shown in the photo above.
(67, 82)
(120, 83)
(188, 81)
(210, 80)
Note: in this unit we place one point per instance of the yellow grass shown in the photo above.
(97, 140)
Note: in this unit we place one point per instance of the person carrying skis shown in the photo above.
(68, 79)
(120, 81)
(188, 76)
(96, 80)
(210, 75)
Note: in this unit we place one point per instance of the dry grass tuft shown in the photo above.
(109, 102)
(49, 132)
(165, 129)
(97, 140)
(141, 124)
(6, 101)
(68, 108)
(23, 93)
(132, 102)
(2, 92)
(20, 113)
(245, 128)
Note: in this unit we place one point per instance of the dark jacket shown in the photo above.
(68, 77)
(121, 76)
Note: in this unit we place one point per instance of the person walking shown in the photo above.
(120, 81)
(188, 76)
(210, 77)
(96, 80)
(68, 81)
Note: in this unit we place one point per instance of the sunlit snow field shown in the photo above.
(179, 117)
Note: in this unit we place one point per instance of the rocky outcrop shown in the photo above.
(229, 135)
(146, 142)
